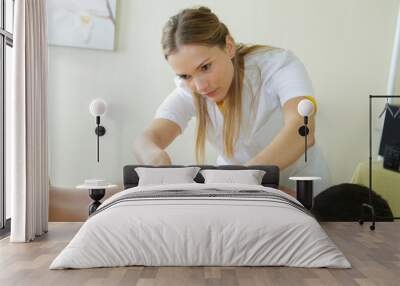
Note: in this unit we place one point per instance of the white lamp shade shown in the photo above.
(305, 107)
(98, 107)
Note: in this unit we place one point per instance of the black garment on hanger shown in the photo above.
(391, 130)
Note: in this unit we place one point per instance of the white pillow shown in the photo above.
(163, 176)
(248, 177)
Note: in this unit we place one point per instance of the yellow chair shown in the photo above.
(385, 182)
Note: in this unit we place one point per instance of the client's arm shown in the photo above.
(149, 147)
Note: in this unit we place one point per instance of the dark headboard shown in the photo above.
(270, 179)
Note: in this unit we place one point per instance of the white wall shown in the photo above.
(345, 45)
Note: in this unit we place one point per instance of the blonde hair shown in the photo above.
(201, 26)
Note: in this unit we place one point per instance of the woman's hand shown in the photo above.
(160, 157)
(149, 146)
(147, 153)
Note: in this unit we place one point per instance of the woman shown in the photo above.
(244, 98)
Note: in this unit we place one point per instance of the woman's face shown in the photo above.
(205, 70)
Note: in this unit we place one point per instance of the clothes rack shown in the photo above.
(370, 205)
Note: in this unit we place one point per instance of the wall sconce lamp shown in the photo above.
(97, 108)
(305, 109)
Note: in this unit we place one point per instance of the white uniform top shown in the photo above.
(271, 78)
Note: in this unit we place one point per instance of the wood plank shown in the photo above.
(375, 257)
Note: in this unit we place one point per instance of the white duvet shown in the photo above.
(200, 231)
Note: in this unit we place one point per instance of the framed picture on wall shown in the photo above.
(84, 24)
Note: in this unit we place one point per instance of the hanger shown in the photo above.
(397, 113)
(387, 107)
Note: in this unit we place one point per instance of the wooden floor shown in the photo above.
(374, 255)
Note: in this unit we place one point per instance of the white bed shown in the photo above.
(269, 228)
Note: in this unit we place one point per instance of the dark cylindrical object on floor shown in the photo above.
(305, 193)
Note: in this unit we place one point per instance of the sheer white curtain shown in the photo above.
(27, 123)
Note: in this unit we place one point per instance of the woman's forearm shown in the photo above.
(284, 149)
(146, 151)
(288, 145)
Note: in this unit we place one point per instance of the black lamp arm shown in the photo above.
(100, 131)
(303, 131)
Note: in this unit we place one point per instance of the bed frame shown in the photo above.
(270, 179)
